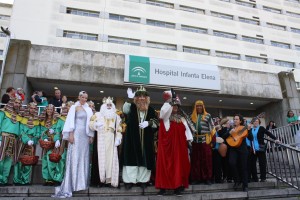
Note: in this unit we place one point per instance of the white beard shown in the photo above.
(109, 113)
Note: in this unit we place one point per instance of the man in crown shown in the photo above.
(201, 159)
(107, 123)
(10, 119)
(173, 165)
(138, 145)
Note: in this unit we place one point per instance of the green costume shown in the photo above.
(22, 174)
(10, 130)
(52, 171)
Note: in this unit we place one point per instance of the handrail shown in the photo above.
(286, 134)
(39, 108)
(283, 162)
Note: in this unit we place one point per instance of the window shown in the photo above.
(297, 47)
(124, 18)
(225, 35)
(295, 30)
(164, 46)
(2, 34)
(276, 26)
(280, 44)
(256, 59)
(273, 10)
(160, 3)
(195, 50)
(193, 29)
(292, 14)
(4, 17)
(87, 13)
(126, 41)
(160, 23)
(1, 52)
(221, 15)
(227, 55)
(249, 21)
(252, 39)
(82, 36)
(284, 63)
(298, 85)
(191, 9)
(247, 4)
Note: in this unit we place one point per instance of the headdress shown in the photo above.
(48, 121)
(9, 107)
(194, 114)
(108, 100)
(65, 109)
(141, 91)
(29, 116)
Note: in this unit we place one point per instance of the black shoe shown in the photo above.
(161, 192)
(5, 184)
(143, 185)
(177, 192)
(245, 189)
(236, 185)
(229, 181)
(20, 184)
(262, 180)
(208, 182)
(128, 186)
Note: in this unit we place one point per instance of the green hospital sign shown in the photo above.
(139, 69)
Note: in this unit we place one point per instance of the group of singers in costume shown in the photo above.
(190, 148)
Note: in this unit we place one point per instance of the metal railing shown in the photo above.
(287, 134)
(40, 108)
(283, 163)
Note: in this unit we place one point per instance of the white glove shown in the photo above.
(98, 125)
(57, 144)
(117, 142)
(144, 124)
(46, 140)
(51, 131)
(30, 142)
(130, 93)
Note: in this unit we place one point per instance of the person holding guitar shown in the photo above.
(238, 152)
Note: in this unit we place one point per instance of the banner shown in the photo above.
(165, 72)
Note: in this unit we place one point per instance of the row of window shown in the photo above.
(172, 47)
(197, 30)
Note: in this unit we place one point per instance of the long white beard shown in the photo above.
(109, 114)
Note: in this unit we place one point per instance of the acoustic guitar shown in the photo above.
(236, 138)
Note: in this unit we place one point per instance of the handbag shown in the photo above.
(262, 147)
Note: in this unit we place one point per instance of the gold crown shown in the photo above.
(141, 91)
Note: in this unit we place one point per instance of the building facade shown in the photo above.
(253, 45)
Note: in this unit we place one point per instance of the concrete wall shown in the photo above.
(16, 66)
(106, 68)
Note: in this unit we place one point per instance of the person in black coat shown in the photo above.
(259, 150)
(271, 126)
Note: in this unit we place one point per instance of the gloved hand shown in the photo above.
(144, 124)
(30, 142)
(117, 142)
(98, 125)
(57, 144)
(46, 140)
(130, 94)
(51, 131)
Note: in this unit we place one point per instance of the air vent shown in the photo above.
(260, 36)
(255, 17)
(265, 55)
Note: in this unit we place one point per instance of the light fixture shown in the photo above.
(220, 100)
(101, 91)
(251, 103)
(184, 98)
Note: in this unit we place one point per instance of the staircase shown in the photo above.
(258, 190)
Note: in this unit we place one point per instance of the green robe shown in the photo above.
(53, 171)
(22, 174)
(6, 125)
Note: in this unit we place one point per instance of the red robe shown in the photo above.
(173, 166)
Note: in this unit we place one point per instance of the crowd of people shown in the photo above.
(166, 148)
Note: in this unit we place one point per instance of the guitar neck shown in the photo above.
(242, 130)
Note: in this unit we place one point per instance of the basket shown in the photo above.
(46, 144)
(27, 160)
(55, 156)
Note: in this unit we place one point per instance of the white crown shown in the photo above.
(108, 100)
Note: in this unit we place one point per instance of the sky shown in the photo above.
(6, 1)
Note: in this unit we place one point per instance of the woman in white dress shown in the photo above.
(76, 131)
